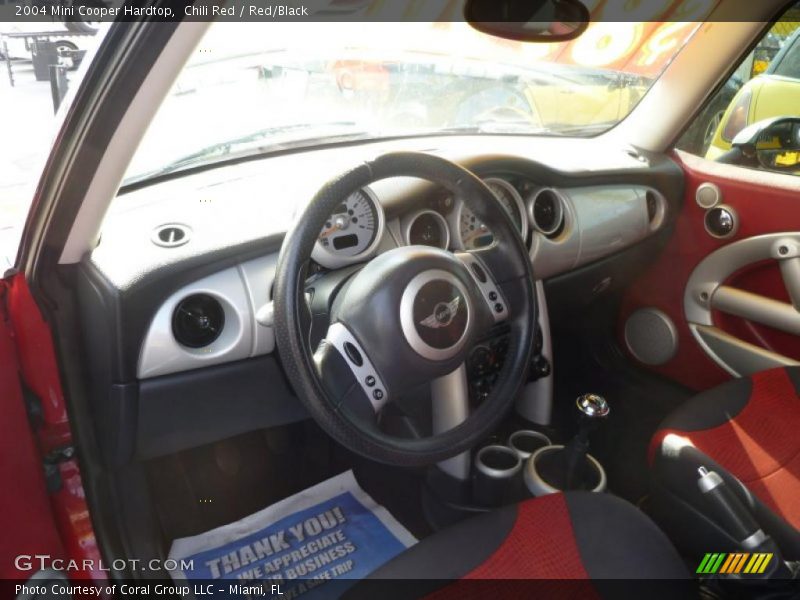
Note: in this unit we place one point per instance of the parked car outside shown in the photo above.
(776, 92)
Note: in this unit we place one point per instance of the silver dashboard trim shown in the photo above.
(239, 290)
(245, 289)
(162, 354)
(598, 221)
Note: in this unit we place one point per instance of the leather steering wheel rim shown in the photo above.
(508, 263)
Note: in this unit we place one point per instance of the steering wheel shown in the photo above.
(408, 318)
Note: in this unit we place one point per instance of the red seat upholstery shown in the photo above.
(569, 543)
(542, 532)
(749, 430)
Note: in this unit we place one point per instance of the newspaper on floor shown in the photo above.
(333, 531)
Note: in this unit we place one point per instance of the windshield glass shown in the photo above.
(256, 87)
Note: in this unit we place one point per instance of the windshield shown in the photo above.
(256, 87)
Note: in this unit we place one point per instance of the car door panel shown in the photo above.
(46, 515)
(27, 520)
(730, 300)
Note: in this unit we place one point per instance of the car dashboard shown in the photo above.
(183, 273)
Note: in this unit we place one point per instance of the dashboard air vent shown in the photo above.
(198, 321)
(652, 206)
(171, 235)
(547, 212)
(656, 209)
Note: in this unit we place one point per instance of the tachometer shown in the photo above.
(475, 234)
(352, 232)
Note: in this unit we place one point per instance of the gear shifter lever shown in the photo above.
(593, 410)
(571, 467)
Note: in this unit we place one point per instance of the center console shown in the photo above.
(525, 463)
(486, 360)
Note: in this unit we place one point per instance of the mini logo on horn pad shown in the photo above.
(440, 314)
(443, 314)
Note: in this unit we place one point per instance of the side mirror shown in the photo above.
(528, 20)
(773, 143)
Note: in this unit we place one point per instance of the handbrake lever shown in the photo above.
(730, 513)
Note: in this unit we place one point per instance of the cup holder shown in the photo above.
(525, 442)
(545, 471)
(497, 471)
(498, 462)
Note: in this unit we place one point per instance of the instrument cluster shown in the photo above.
(472, 233)
(355, 230)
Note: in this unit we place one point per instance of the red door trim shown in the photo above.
(29, 339)
(765, 203)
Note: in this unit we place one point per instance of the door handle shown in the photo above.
(706, 292)
(754, 307)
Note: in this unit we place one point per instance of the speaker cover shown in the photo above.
(651, 336)
(708, 195)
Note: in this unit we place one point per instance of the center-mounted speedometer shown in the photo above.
(507, 195)
(474, 234)
(352, 232)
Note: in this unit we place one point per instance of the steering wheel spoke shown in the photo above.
(492, 294)
(450, 398)
(359, 364)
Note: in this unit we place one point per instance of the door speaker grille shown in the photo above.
(651, 336)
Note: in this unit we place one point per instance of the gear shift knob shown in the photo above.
(593, 409)
(592, 406)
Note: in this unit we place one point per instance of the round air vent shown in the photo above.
(198, 321)
(547, 212)
(656, 209)
(652, 206)
(171, 235)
